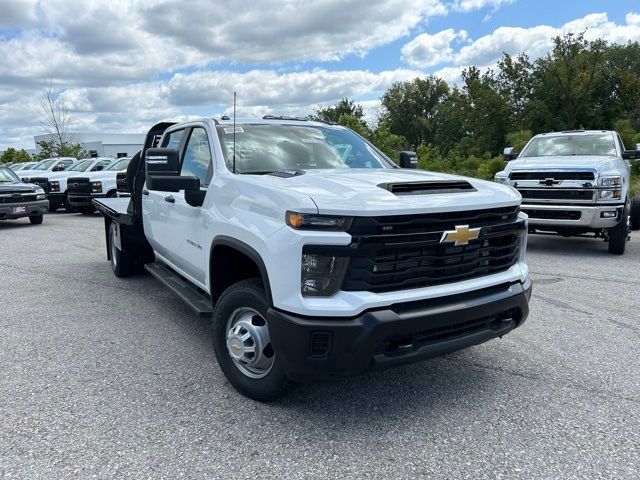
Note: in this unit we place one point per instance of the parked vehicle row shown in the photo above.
(575, 183)
(313, 253)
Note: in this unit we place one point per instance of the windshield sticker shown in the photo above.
(230, 130)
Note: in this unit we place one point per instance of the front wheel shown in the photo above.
(618, 236)
(634, 213)
(36, 219)
(243, 345)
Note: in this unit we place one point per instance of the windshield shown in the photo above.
(44, 165)
(81, 167)
(267, 148)
(7, 176)
(597, 144)
(119, 165)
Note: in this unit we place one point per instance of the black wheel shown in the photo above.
(68, 207)
(86, 210)
(122, 263)
(634, 213)
(242, 343)
(36, 219)
(618, 236)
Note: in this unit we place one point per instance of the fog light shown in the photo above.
(613, 214)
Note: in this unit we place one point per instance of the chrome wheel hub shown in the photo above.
(248, 343)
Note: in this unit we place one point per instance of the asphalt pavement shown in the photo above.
(103, 377)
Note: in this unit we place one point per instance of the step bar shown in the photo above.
(199, 301)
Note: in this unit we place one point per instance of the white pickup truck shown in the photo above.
(575, 183)
(59, 164)
(313, 253)
(81, 190)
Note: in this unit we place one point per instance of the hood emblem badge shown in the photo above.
(462, 235)
(549, 182)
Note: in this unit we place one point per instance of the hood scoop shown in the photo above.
(428, 188)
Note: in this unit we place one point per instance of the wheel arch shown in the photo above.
(246, 262)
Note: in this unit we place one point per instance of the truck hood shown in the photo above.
(95, 176)
(33, 173)
(358, 192)
(571, 162)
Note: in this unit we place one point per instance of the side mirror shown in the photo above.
(58, 168)
(408, 160)
(632, 154)
(195, 198)
(508, 154)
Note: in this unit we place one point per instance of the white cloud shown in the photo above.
(427, 50)
(469, 5)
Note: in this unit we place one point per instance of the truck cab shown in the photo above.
(575, 183)
(314, 255)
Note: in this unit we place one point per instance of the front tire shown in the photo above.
(36, 219)
(122, 263)
(634, 213)
(242, 343)
(618, 236)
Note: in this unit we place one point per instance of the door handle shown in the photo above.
(145, 192)
(170, 199)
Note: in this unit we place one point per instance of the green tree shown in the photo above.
(518, 139)
(412, 107)
(50, 148)
(11, 155)
(389, 143)
(346, 106)
(354, 123)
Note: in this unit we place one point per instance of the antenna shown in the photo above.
(234, 132)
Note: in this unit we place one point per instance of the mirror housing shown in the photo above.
(408, 159)
(195, 198)
(58, 168)
(162, 161)
(508, 154)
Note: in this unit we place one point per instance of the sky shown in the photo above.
(122, 66)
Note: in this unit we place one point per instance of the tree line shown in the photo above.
(579, 84)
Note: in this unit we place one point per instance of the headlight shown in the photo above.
(501, 178)
(40, 194)
(55, 186)
(306, 221)
(610, 194)
(611, 181)
(322, 274)
(96, 187)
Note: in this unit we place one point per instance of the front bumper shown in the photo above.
(56, 199)
(312, 348)
(39, 207)
(583, 216)
(84, 200)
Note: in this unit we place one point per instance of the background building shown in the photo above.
(103, 144)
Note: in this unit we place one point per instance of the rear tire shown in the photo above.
(618, 235)
(122, 263)
(36, 219)
(634, 213)
(254, 369)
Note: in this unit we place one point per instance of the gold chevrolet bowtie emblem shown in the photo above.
(462, 235)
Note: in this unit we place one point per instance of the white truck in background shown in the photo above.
(82, 189)
(576, 183)
(314, 255)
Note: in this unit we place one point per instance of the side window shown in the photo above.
(172, 140)
(64, 164)
(100, 165)
(197, 156)
(620, 140)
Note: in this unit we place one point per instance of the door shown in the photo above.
(187, 222)
(155, 208)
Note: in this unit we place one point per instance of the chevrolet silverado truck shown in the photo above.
(55, 183)
(576, 183)
(83, 189)
(314, 255)
(47, 165)
(19, 200)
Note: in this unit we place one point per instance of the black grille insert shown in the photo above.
(79, 186)
(401, 252)
(557, 194)
(554, 175)
(554, 214)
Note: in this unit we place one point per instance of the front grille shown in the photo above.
(17, 197)
(554, 175)
(554, 214)
(42, 182)
(557, 194)
(79, 186)
(401, 252)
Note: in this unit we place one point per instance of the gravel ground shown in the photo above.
(102, 377)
